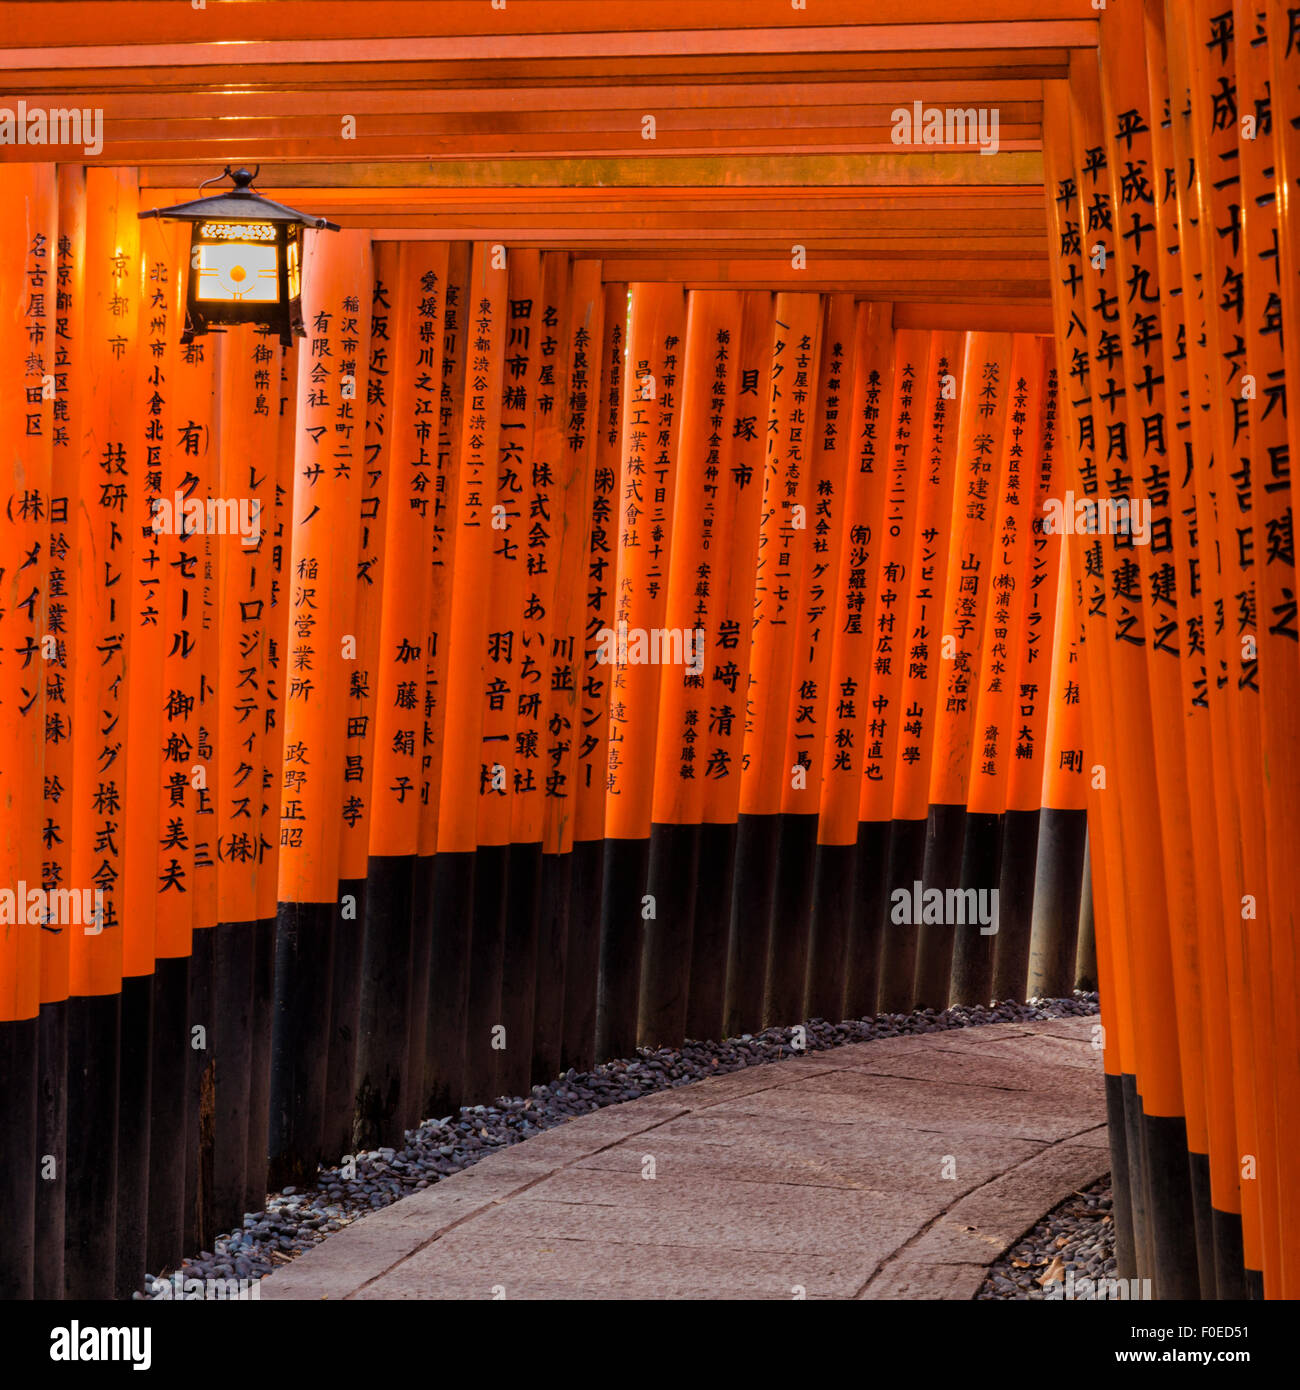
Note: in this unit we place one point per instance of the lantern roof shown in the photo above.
(239, 204)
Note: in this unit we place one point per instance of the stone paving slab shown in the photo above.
(898, 1169)
(1070, 1028)
(969, 1068)
(751, 1149)
(858, 1099)
(903, 1279)
(545, 1268)
(761, 1218)
(853, 1053)
(1046, 1049)
(978, 1227)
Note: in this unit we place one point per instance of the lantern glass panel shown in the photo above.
(235, 263)
(236, 273)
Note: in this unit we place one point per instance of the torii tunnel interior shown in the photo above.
(714, 517)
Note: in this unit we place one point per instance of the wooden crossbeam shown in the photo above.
(26, 74)
(892, 170)
(166, 21)
(706, 99)
(773, 126)
(1004, 37)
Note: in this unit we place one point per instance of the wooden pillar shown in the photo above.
(360, 709)
(67, 361)
(879, 948)
(110, 475)
(581, 990)
(992, 734)
(851, 612)
(541, 506)
(794, 352)
(1065, 206)
(806, 749)
(443, 981)
(466, 627)
(923, 650)
(674, 870)
(1023, 819)
(727, 664)
(578, 421)
(28, 243)
(1063, 826)
(647, 483)
(412, 356)
(981, 468)
(329, 431)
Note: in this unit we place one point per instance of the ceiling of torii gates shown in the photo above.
(772, 128)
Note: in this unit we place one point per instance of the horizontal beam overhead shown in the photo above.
(701, 97)
(892, 170)
(241, 149)
(975, 35)
(358, 74)
(171, 21)
(775, 126)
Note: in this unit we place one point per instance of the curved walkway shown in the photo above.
(893, 1169)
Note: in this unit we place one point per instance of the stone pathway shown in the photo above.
(893, 1169)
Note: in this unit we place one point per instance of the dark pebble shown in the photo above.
(438, 1148)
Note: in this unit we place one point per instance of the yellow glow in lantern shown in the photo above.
(236, 273)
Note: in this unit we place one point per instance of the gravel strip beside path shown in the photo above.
(295, 1221)
(1077, 1239)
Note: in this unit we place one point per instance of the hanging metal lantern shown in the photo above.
(245, 259)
